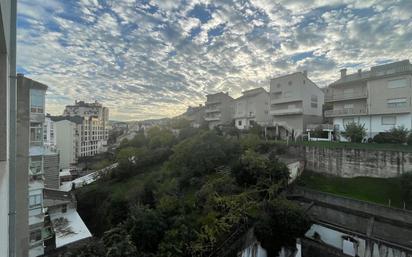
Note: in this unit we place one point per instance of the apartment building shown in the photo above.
(218, 109)
(379, 98)
(295, 102)
(49, 133)
(252, 107)
(31, 162)
(93, 132)
(195, 114)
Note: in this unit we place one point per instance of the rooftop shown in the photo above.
(69, 227)
(390, 69)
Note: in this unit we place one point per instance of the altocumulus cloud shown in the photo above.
(152, 58)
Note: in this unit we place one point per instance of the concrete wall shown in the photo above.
(345, 162)
(22, 167)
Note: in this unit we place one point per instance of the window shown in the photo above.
(397, 103)
(36, 133)
(291, 106)
(37, 100)
(347, 121)
(35, 201)
(388, 120)
(35, 165)
(304, 81)
(290, 83)
(239, 123)
(348, 106)
(35, 236)
(398, 83)
(64, 208)
(314, 101)
(278, 85)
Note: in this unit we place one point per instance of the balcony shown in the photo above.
(282, 100)
(346, 112)
(346, 96)
(291, 111)
(212, 109)
(213, 118)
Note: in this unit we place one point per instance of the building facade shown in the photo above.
(30, 165)
(252, 107)
(295, 102)
(379, 98)
(218, 109)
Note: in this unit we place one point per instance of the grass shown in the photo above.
(371, 146)
(376, 190)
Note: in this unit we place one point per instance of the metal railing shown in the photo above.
(346, 112)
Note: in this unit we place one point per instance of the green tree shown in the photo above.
(278, 224)
(118, 243)
(201, 155)
(146, 227)
(160, 137)
(355, 132)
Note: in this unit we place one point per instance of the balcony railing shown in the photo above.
(286, 111)
(346, 96)
(346, 112)
(213, 118)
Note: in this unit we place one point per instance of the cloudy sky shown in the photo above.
(153, 58)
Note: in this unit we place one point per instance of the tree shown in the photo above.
(279, 224)
(94, 248)
(398, 135)
(355, 132)
(160, 137)
(201, 155)
(146, 227)
(118, 243)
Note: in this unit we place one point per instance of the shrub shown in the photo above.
(396, 135)
(355, 132)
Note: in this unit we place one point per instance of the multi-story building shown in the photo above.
(49, 133)
(31, 162)
(379, 98)
(82, 131)
(252, 107)
(218, 109)
(195, 114)
(295, 102)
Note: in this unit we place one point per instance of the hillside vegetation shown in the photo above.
(185, 195)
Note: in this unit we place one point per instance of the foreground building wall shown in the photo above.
(7, 85)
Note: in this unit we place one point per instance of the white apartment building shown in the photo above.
(49, 133)
(82, 131)
(379, 98)
(295, 102)
(218, 109)
(252, 107)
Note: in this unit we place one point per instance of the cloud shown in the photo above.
(149, 59)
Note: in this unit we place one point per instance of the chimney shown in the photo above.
(305, 72)
(342, 73)
(360, 72)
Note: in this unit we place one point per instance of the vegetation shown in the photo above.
(355, 132)
(185, 195)
(378, 190)
(396, 135)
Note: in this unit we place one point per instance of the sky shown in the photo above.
(153, 58)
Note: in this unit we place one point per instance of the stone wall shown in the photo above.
(347, 162)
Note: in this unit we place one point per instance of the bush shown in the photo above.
(396, 135)
(355, 132)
